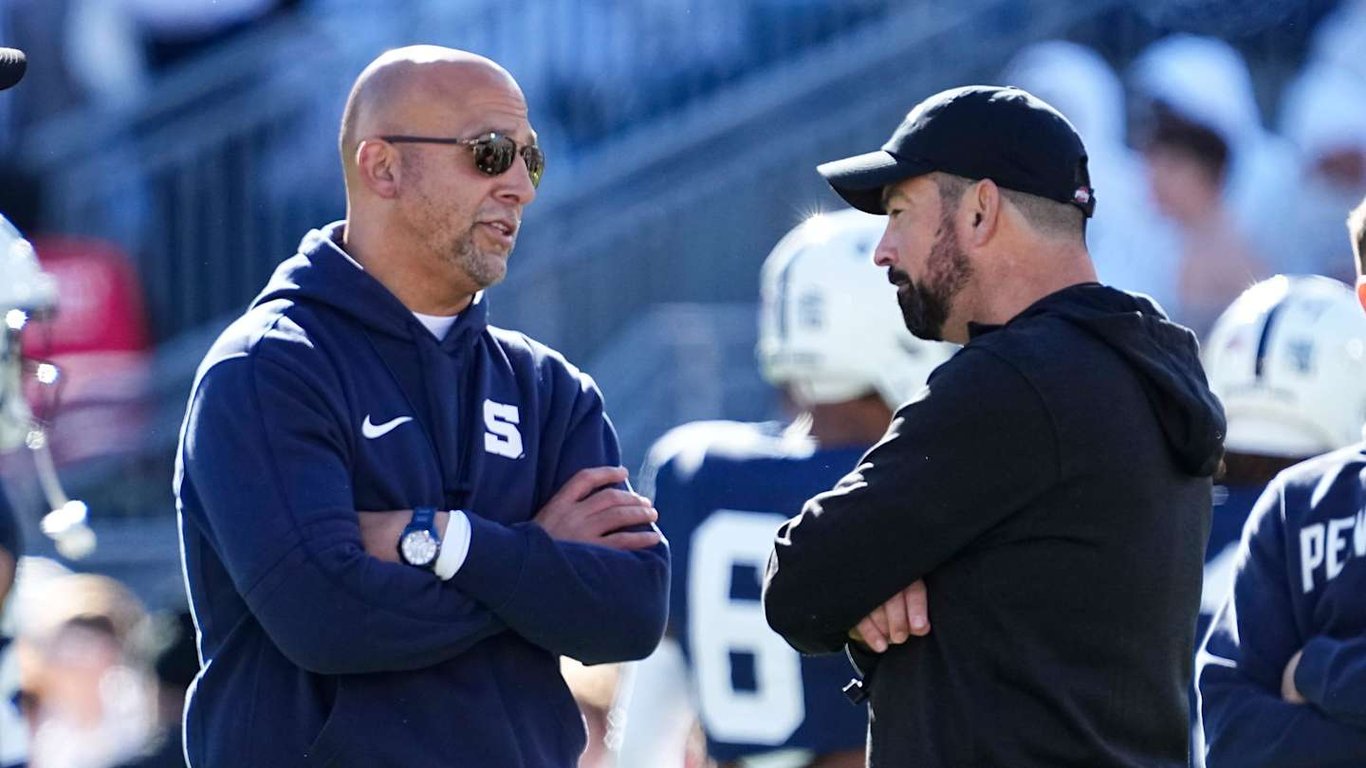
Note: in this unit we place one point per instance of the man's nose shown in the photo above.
(517, 187)
(884, 255)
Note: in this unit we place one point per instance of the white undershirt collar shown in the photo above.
(437, 325)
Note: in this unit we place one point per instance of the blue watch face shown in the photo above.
(419, 548)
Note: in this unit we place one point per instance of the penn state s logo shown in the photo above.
(501, 435)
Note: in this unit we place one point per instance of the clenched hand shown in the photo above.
(589, 511)
(894, 622)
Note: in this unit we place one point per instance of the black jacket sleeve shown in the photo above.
(974, 447)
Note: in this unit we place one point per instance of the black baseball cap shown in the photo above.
(992, 132)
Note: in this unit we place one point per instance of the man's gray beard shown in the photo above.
(482, 269)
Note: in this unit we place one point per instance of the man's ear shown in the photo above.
(377, 164)
(1361, 291)
(984, 211)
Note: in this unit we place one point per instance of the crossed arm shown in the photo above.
(1330, 675)
(850, 561)
(587, 510)
(275, 507)
(1256, 696)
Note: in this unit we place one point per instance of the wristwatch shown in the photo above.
(419, 545)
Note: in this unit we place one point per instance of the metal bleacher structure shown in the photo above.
(639, 260)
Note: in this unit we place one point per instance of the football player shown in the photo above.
(1286, 360)
(832, 340)
(1284, 563)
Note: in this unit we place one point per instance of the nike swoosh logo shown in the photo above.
(372, 431)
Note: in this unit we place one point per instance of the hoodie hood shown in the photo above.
(1166, 357)
(322, 273)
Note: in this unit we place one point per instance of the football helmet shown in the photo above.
(829, 326)
(1288, 359)
(27, 293)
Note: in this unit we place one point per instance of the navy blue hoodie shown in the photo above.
(1301, 585)
(315, 653)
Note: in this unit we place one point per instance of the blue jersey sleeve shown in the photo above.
(722, 490)
(1332, 676)
(1247, 723)
(588, 602)
(263, 478)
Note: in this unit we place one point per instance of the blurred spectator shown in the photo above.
(1205, 82)
(1132, 247)
(1337, 39)
(1187, 166)
(1324, 114)
(175, 665)
(85, 696)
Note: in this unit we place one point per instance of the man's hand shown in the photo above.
(894, 622)
(380, 531)
(586, 510)
(1288, 690)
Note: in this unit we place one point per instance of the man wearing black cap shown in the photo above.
(1051, 485)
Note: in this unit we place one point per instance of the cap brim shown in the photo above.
(860, 179)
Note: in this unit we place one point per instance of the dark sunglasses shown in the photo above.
(493, 153)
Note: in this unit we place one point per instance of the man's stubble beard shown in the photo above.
(925, 305)
(457, 250)
(483, 269)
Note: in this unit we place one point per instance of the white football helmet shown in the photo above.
(28, 293)
(1288, 359)
(829, 325)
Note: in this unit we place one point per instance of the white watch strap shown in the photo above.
(455, 545)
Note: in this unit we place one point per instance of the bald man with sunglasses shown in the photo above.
(396, 518)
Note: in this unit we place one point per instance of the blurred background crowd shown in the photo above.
(164, 155)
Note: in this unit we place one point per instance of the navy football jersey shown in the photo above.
(722, 490)
(1232, 503)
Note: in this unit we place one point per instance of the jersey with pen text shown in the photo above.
(722, 489)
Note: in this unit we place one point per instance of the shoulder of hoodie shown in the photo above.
(270, 329)
(1042, 338)
(547, 363)
(278, 330)
(1325, 486)
(1023, 346)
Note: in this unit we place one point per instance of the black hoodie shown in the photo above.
(1052, 486)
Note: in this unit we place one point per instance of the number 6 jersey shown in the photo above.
(722, 489)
